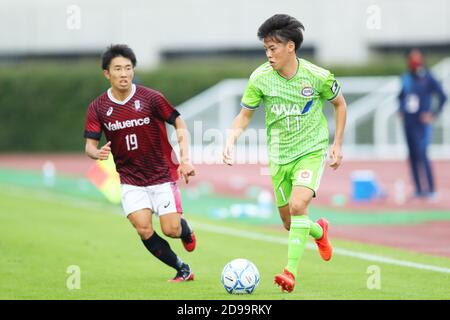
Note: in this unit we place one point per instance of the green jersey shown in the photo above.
(295, 121)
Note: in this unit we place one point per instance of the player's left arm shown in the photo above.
(442, 97)
(340, 108)
(185, 169)
(331, 90)
(166, 112)
(429, 116)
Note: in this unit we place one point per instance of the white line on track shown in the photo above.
(87, 204)
(343, 252)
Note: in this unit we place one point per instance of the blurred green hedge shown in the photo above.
(43, 104)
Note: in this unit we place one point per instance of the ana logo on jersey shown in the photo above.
(109, 112)
(291, 110)
(137, 105)
(307, 91)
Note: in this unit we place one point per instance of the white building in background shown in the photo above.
(337, 30)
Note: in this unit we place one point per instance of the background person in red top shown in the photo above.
(133, 120)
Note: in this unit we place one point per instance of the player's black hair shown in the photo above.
(282, 28)
(117, 50)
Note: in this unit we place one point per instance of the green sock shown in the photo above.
(316, 230)
(298, 237)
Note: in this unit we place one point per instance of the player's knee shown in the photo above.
(298, 207)
(144, 232)
(172, 231)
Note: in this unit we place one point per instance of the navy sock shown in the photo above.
(160, 248)
(185, 230)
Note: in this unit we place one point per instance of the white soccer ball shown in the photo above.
(240, 276)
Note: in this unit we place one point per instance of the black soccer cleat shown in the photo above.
(184, 274)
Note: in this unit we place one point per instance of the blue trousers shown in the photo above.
(418, 137)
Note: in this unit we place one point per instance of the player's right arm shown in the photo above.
(250, 102)
(240, 123)
(93, 133)
(93, 152)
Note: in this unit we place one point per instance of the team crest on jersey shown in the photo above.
(109, 112)
(307, 91)
(137, 105)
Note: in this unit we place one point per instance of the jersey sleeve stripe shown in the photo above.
(243, 105)
(336, 94)
(316, 70)
(321, 73)
(92, 135)
(265, 68)
(175, 114)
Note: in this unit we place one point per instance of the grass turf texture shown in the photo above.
(44, 233)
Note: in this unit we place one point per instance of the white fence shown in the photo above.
(373, 128)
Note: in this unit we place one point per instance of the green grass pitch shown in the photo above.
(42, 234)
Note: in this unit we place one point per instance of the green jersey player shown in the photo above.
(293, 92)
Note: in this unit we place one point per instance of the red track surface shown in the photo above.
(432, 238)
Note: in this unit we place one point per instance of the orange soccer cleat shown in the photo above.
(285, 280)
(323, 244)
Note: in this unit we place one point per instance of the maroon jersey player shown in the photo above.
(133, 120)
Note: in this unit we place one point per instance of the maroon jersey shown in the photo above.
(137, 131)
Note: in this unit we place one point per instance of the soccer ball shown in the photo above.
(240, 276)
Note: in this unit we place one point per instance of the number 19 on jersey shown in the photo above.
(132, 143)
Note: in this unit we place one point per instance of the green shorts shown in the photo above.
(305, 171)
